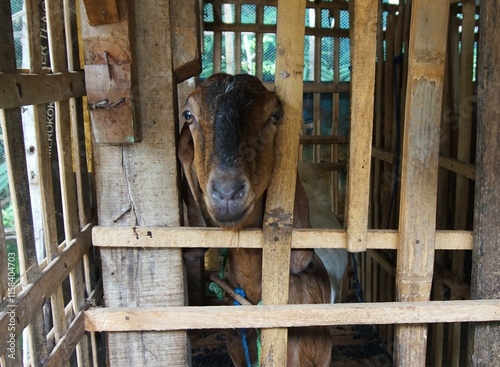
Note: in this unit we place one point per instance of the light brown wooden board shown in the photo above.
(283, 316)
(177, 237)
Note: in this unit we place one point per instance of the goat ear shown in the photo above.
(300, 259)
(190, 192)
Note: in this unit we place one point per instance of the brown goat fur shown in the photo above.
(227, 153)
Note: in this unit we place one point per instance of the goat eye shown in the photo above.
(188, 116)
(275, 117)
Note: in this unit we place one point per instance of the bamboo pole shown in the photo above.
(416, 240)
(363, 51)
(278, 219)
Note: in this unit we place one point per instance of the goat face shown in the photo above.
(233, 122)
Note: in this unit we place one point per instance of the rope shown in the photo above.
(219, 292)
(215, 288)
(244, 336)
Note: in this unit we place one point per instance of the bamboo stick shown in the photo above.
(363, 51)
(416, 240)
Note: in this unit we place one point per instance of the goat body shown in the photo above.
(227, 153)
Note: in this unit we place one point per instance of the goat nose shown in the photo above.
(228, 190)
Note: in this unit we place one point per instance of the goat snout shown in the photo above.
(228, 198)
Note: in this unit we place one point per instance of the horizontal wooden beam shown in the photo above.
(454, 165)
(319, 87)
(18, 90)
(264, 28)
(282, 316)
(323, 139)
(29, 302)
(451, 164)
(191, 237)
(383, 155)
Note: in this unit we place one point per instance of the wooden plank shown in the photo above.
(65, 346)
(376, 193)
(186, 49)
(465, 114)
(283, 316)
(278, 218)
(484, 340)
(363, 51)
(109, 76)
(101, 12)
(467, 170)
(137, 185)
(416, 240)
(177, 237)
(265, 28)
(26, 89)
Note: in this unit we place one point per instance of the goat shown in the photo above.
(226, 149)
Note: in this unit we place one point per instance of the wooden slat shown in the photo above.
(465, 169)
(189, 237)
(26, 89)
(66, 345)
(465, 114)
(278, 218)
(58, 63)
(283, 316)
(266, 28)
(101, 12)
(33, 297)
(416, 240)
(363, 51)
(484, 345)
(312, 87)
(15, 157)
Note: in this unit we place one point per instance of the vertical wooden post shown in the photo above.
(137, 185)
(278, 219)
(427, 50)
(484, 338)
(363, 51)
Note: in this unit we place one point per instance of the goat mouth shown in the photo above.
(230, 219)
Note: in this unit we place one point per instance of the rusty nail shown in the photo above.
(106, 57)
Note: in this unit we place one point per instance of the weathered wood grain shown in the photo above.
(137, 185)
(484, 339)
(18, 90)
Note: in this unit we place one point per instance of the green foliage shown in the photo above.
(8, 216)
